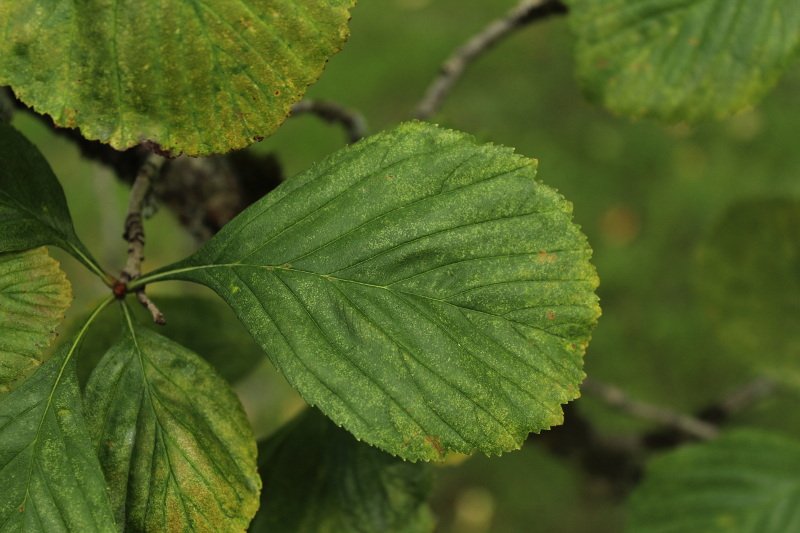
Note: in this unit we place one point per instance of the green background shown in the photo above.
(645, 194)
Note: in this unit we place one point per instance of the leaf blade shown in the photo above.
(50, 475)
(34, 295)
(418, 268)
(242, 65)
(33, 209)
(191, 463)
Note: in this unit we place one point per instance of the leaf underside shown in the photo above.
(199, 77)
(682, 59)
(318, 479)
(34, 295)
(49, 474)
(745, 482)
(175, 446)
(425, 291)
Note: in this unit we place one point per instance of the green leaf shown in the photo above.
(33, 210)
(34, 294)
(199, 77)
(174, 443)
(204, 325)
(750, 280)
(318, 479)
(49, 474)
(744, 482)
(682, 59)
(424, 291)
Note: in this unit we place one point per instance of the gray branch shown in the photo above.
(618, 399)
(526, 12)
(134, 231)
(352, 122)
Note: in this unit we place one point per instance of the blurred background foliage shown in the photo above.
(646, 194)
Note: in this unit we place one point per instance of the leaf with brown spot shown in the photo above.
(34, 294)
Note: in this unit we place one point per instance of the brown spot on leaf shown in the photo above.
(70, 117)
(546, 257)
(436, 444)
(551, 315)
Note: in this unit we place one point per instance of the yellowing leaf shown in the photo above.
(34, 294)
(174, 443)
(199, 77)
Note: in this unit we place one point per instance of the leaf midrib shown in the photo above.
(169, 274)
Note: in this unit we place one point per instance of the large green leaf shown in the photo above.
(682, 59)
(745, 482)
(34, 294)
(33, 210)
(318, 479)
(426, 292)
(750, 279)
(174, 443)
(197, 77)
(49, 474)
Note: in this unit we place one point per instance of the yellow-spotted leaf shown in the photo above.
(175, 446)
(682, 59)
(199, 77)
(34, 294)
(424, 290)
